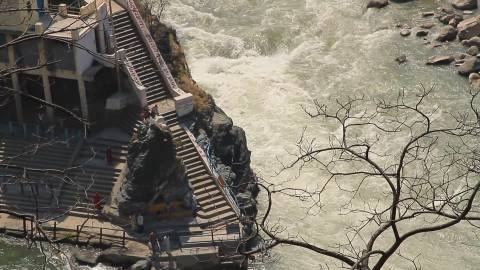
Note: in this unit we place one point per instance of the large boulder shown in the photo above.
(229, 145)
(464, 4)
(154, 171)
(377, 3)
(469, 28)
(117, 257)
(84, 257)
(447, 33)
(440, 60)
(142, 265)
(469, 65)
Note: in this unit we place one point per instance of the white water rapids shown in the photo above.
(263, 59)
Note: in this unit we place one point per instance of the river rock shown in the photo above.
(422, 33)
(459, 57)
(427, 25)
(474, 79)
(405, 32)
(142, 265)
(84, 257)
(454, 22)
(427, 13)
(470, 65)
(474, 41)
(447, 33)
(464, 4)
(440, 60)
(473, 50)
(117, 257)
(401, 59)
(377, 3)
(445, 18)
(469, 28)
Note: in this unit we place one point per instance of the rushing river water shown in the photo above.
(263, 59)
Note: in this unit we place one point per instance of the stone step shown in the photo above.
(121, 29)
(206, 196)
(156, 99)
(215, 206)
(202, 184)
(185, 149)
(194, 180)
(216, 212)
(122, 22)
(211, 199)
(129, 32)
(197, 173)
(205, 190)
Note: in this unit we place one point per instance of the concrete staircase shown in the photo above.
(32, 153)
(213, 207)
(93, 175)
(128, 38)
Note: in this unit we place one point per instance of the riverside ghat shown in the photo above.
(100, 147)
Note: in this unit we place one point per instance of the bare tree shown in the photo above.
(427, 182)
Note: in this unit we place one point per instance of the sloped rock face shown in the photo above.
(230, 150)
(154, 171)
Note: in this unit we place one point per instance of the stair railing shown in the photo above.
(218, 179)
(183, 101)
(133, 78)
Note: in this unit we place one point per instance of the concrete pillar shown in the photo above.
(15, 81)
(101, 17)
(62, 10)
(82, 92)
(42, 53)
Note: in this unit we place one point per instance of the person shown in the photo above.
(168, 207)
(166, 244)
(140, 223)
(153, 242)
(154, 111)
(109, 156)
(40, 116)
(97, 201)
(145, 114)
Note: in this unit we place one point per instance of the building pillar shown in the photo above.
(44, 70)
(82, 92)
(15, 81)
(101, 17)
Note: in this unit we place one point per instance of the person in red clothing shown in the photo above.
(154, 111)
(145, 114)
(109, 156)
(97, 201)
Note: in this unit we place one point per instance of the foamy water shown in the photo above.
(262, 60)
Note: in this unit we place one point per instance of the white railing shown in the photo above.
(134, 79)
(88, 9)
(183, 101)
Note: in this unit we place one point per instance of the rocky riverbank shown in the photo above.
(454, 25)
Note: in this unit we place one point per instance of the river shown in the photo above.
(263, 59)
